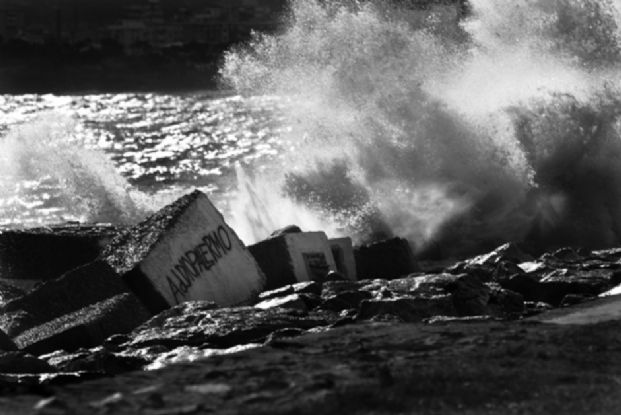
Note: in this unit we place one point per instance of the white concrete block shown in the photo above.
(187, 252)
(294, 257)
(343, 253)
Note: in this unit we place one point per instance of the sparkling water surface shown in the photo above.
(157, 142)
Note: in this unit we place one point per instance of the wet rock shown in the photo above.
(509, 252)
(6, 343)
(343, 253)
(9, 292)
(86, 327)
(308, 287)
(294, 257)
(42, 254)
(561, 282)
(470, 295)
(526, 285)
(77, 289)
(292, 301)
(332, 288)
(19, 362)
(344, 300)
(532, 308)
(503, 302)
(388, 259)
(96, 360)
(184, 252)
(573, 299)
(407, 309)
(194, 325)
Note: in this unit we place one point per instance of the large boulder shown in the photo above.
(6, 344)
(185, 252)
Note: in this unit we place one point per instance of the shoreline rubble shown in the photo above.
(99, 319)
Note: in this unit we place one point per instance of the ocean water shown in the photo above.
(117, 157)
(360, 118)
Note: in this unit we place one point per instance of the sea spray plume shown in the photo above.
(257, 209)
(77, 183)
(354, 76)
(439, 133)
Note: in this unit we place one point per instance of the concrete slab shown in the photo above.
(186, 251)
(294, 257)
(343, 253)
(73, 291)
(87, 327)
(42, 254)
(591, 312)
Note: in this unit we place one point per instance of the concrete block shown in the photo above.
(294, 257)
(86, 285)
(184, 252)
(343, 253)
(389, 259)
(87, 327)
(42, 254)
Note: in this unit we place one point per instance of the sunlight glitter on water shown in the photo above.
(158, 143)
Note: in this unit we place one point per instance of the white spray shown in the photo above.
(506, 127)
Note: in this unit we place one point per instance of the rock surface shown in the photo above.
(427, 342)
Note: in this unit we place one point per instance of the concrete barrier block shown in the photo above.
(87, 327)
(185, 251)
(294, 257)
(73, 291)
(389, 259)
(343, 253)
(41, 254)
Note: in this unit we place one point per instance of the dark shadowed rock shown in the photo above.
(97, 360)
(503, 302)
(86, 327)
(6, 344)
(470, 295)
(391, 258)
(196, 324)
(20, 362)
(407, 309)
(9, 292)
(561, 282)
(46, 253)
(332, 288)
(508, 252)
(184, 252)
(527, 285)
(344, 300)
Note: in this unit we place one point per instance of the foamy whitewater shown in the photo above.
(457, 127)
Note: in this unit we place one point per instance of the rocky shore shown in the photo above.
(503, 332)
